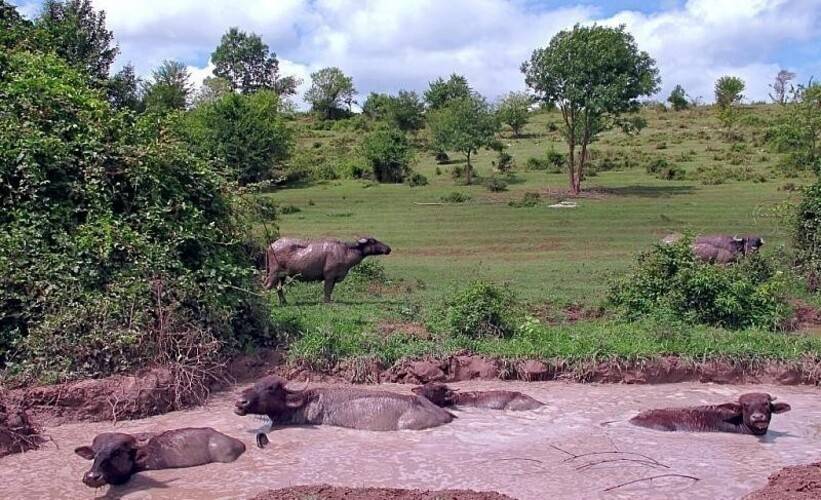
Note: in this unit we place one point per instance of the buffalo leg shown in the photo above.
(262, 440)
(329, 289)
(281, 292)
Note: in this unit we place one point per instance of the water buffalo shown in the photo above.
(750, 415)
(316, 260)
(721, 248)
(352, 408)
(117, 456)
(442, 395)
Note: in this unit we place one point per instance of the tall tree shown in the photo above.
(123, 89)
(245, 61)
(404, 111)
(594, 74)
(465, 125)
(678, 99)
(728, 91)
(441, 91)
(169, 89)
(330, 90)
(212, 88)
(781, 86)
(514, 111)
(78, 34)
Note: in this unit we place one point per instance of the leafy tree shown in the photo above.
(169, 89)
(514, 110)
(247, 132)
(440, 91)
(213, 88)
(807, 234)
(330, 90)
(388, 154)
(678, 99)
(14, 29)
(797, 131)
(781, 86)
(404, 111)
(728, 91)
(594, 74)
(78, 34)
(245, 61)
(123, 89)
(464, 125)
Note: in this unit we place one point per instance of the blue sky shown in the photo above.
(387, 45)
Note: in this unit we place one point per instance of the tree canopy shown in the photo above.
(170, 87)
(405, 110)
(594, 74)
(331, 89)
(441, 91)
(246, 63)
(514, 111)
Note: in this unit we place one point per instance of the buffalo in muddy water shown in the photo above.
(342, 407)
(444, 396)
(750, 415)
(117, 456)
(316, 260)
(721, 248)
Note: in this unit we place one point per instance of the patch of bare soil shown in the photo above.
(805, 317)
(325, 492)
(17, 432)
(416, 330)
(798, 482)
(587, 193)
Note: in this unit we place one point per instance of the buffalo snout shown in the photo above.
(93, 479)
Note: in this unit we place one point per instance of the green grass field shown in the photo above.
(546, 255)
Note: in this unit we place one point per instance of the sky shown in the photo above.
(388, 45)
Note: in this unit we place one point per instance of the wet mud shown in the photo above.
(579, 445)
(326, 492)
(800, 482)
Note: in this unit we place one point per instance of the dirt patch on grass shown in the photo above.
(416, 330)
(798, 482)
(805, 317)
(325, 492)
(17, 431)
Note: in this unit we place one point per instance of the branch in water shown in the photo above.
(650, 479)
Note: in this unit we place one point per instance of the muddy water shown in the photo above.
(562, 451)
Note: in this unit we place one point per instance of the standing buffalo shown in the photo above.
(750, 415)
(316, 260)
(721, 248)
(117, 456)
(442, 395)
(352, 408)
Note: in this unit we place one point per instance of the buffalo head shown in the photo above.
(115, 459)
(438, 394)
(270, 397)
(755, 409)
(752, 244)
(372, 246)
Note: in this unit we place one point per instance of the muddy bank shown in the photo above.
(325, 492)
(160, 390)
(799, 482)
(17, 431)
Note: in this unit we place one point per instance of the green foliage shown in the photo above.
(553, 162)
(212, 88)
(797, 131)
(403, 111)
(416, 179)
(514, 111)
(678, 99)
(330, 90)
(246, 63)
(169, 89)
(504, 162)
(77, 33)
(123, 90)
(440, 92)
(728, 91)
(529, 200)
(495, 184)
(594, 74)
(669, 281)
(806, 234)
(388, 154)
(455, 197)
(118, 247)
(464, 125)
(481, 310)
(246, 132)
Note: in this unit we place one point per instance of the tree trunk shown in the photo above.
(571, 161)
(468, 170)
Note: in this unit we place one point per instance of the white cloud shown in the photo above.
(391, 44)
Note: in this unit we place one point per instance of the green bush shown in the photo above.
(672, 173)
(504, 162)
(807, 234)
(668, 280)
(528, 200)
(416, 179)
(481, 310)
(495, 184)
(656, 165)
(441, 157)
(455, 197)
(388, 153)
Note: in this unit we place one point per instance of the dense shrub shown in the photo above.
(504, 162)
(118, 246)
(481, 310)
(416, 179)
(528, 200)
(388, 153)
(553, 162)
(495, 184)
(656, 165)
(669, 280)
(441, 157)
(672, 173)
(455, 197)
(807, 234)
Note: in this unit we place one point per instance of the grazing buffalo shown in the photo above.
(721, 248)
(750, 415)
(316, 260)
(352, 408)
(117, 456)
(444, 396)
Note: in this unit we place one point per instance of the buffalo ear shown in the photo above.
(85, 452)
(362, 241)
(730, 410)
(780, 407)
